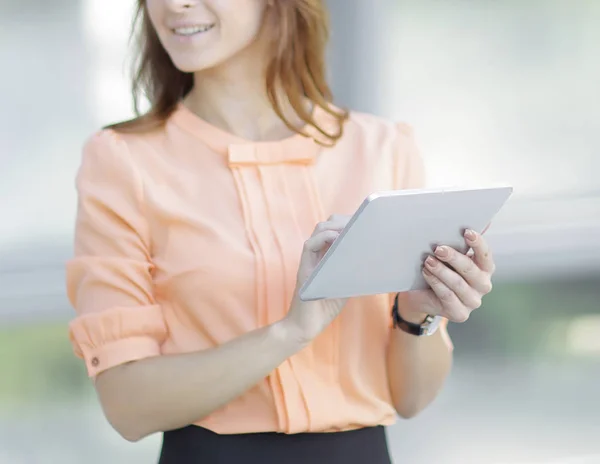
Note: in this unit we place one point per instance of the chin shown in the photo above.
(192, 64)
(196, 54)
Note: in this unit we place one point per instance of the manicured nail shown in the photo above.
(441, 251)
(430, 261)
(470, 235)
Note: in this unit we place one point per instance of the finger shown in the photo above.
(465, 267)
(338, 220)
(452, 308)
(468, 296)
(317, 242)
(327, 225)
(482, 254)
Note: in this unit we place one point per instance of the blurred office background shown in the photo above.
(497, 90)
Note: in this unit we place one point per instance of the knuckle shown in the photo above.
(330, 234)
(320, 227)
(476, 303)
(433, 280)
(487, 286)
(463, 316)
(469, 267)
(460, 315)
(446, 296)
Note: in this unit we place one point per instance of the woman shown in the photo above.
(198, 221)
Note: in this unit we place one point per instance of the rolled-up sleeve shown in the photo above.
(109, 280)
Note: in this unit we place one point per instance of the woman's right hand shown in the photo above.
(307, 319)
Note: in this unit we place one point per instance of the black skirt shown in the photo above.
(196, 445)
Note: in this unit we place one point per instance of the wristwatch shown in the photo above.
(428, 327)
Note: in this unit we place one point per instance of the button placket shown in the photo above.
(255, 167)
(293, 389)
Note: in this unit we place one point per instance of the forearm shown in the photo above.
(173, 391)
(417, 369)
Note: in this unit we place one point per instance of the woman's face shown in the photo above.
(202, 34)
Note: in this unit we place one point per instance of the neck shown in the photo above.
(233, 97)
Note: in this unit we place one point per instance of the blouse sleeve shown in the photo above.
(109, 279)
(409, 173)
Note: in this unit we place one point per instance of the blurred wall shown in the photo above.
(497, 91)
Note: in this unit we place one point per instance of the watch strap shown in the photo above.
(408, 327)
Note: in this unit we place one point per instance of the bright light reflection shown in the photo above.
(107, 24)
(582, 336)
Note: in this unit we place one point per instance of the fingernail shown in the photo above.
(426, 272)
(441, 251)
(430, 261)
(470, 235)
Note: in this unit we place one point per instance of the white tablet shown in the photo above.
(384, 245)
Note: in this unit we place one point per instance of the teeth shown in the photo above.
(192, 30)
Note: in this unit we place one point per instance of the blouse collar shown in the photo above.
(297, 148)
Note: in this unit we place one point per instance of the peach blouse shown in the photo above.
(187, 237)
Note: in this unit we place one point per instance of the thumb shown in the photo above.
(318, 241)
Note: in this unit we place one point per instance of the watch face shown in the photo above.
(431, 326)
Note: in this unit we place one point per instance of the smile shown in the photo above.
(192, 30)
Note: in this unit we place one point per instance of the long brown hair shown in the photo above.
(300, 31)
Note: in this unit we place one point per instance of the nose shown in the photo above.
(179, 5)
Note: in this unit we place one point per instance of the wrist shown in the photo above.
(287, 335)
(414, 322)
(409, 313)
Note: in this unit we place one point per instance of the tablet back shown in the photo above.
(383, 247)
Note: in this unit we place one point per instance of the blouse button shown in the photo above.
(95, 361)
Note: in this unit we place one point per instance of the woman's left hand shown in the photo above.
(458, 282)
